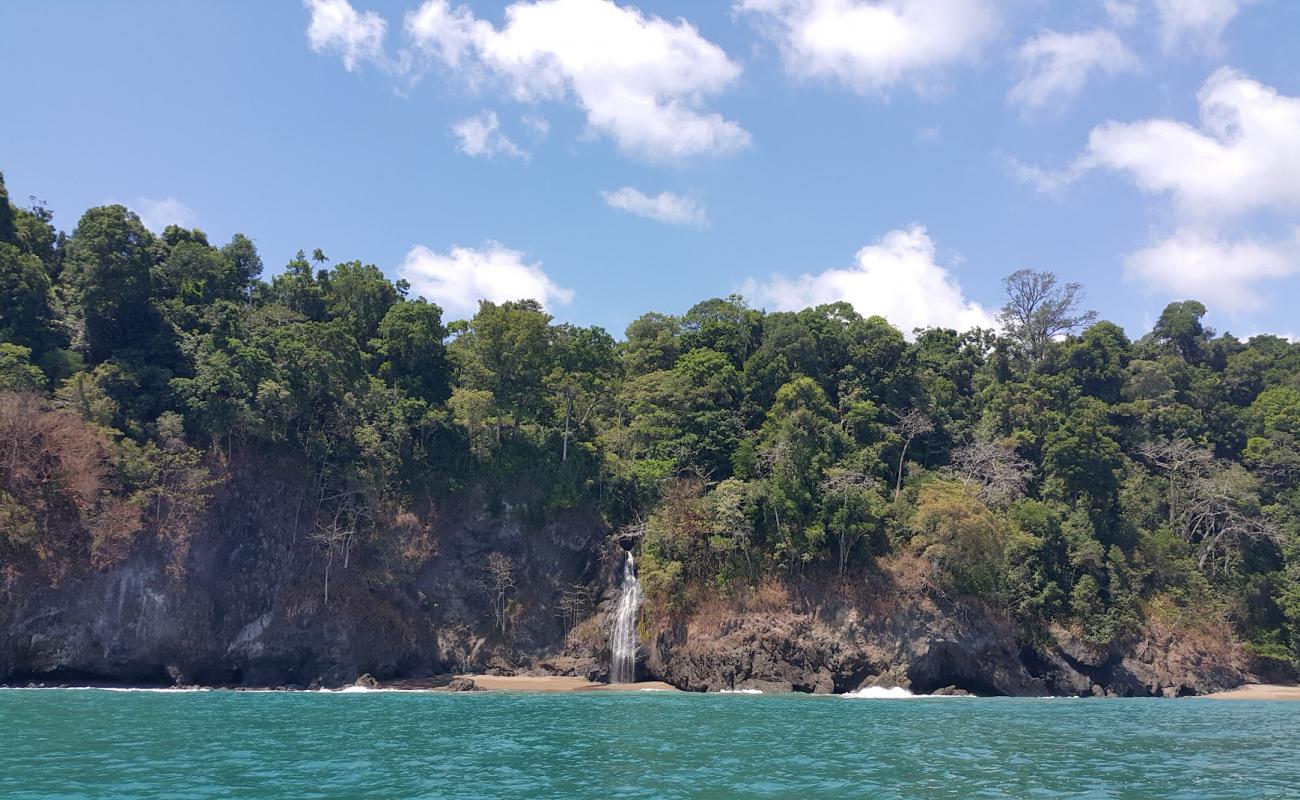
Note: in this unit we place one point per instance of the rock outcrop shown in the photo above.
(249, 608)
(895, 634)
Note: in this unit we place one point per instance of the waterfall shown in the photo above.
(622, 644)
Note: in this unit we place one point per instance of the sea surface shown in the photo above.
(96, 743)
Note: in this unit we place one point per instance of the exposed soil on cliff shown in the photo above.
(248, 607)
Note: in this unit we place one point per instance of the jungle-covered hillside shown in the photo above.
(1060, 467)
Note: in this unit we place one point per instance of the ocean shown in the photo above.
(96, 743)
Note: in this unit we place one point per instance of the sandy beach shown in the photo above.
(528, 683)
(1259, 691)
(523, 683)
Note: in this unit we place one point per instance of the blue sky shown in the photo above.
(613, 159)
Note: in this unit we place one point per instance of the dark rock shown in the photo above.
(367, 681)
(951, 691)
(463, 685)
(248, 609)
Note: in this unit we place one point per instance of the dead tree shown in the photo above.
(998, 471)
(1221, 516)
(847, 484)
(910, 425)
(575, 603)
(1183, 462)
(1038, 310)
(338, 534)
(499, 582)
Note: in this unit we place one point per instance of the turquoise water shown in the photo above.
(104, 744)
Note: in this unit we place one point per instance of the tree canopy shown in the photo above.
(1058, 466)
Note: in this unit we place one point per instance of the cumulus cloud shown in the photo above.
(1055, 66)
(1241, 157)
(873, 45)
(666, 207)
(1195, 23)
(640, 79)
(480, 136)
(339, 28)
(896, 277)
(1239, 160)
(1194, 264)
(158, 214)
(461, 277)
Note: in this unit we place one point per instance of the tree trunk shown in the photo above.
(568, 412)
(898, 484)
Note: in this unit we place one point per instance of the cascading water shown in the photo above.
(622, 644)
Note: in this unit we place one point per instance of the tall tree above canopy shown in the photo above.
(1180, 327)
(410, 344)
(109, 261)
(1038, 310)
(245, 263)
(504, 349)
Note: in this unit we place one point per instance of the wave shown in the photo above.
(153, 689)
(740, 691)
(881, 693)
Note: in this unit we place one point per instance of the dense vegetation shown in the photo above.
(1057, 468)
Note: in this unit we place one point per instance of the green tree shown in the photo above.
(506, 350)
(109, 264)
(411, 349)
(585, 366)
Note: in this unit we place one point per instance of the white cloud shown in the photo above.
(1195, 265)
(480, 136)
(1198, 23)
(1242, 157)
(1121, 12)
(458, 279)
(666, 207)
(1055, 66)
(873, 45)
(538, 126)
(896, 277)
(158, 214)
(336, 26)
(640, 80)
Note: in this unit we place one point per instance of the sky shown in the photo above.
(610, 159)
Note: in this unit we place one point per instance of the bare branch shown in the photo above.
(1038, 310)
(998, 471)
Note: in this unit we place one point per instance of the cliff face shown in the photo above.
(249, 608)
(894, 632)
(249, 605)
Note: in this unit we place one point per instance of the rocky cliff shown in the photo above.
(896, 631)
(248, 607)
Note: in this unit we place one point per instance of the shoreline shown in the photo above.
(1258, 691)
(441, 684)
(559, 684)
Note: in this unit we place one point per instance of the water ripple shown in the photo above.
(97, 744)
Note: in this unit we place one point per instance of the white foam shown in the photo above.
(881, 693)
(156, 689)
(740, 691)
